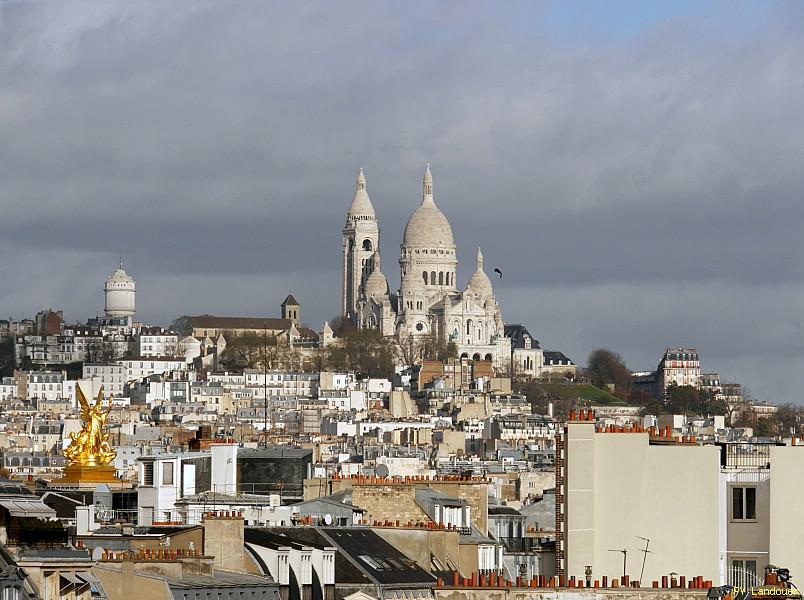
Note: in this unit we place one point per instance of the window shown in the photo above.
(371, 562)
(147, 473)
(743, 503)
(167, 473)
(424, 275)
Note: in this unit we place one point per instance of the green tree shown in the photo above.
(604, 367)
(7, 359)
(764, 428)
(709, 404)
(682, 399)
(651, 406)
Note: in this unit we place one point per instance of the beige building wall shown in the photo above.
(420, 544)
(224, 539)
(122, 582)
(394, 501)
(452, 441)
(388, 502)
(786, 516)
(618, 487)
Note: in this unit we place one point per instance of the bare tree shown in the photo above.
(607, 367)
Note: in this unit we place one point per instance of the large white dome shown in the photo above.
(427, 225)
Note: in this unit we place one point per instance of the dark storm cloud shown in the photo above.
(639, 189)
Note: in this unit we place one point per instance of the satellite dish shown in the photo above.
(97, 553)
(327, 519)
(382, 471)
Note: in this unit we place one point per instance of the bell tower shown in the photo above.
(361, 239)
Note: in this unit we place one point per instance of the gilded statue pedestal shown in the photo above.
(89, 454)
(88, 474)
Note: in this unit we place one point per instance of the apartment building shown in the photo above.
(157, 341)
(613, 490)
(141, 366)
(738, 501)
(681, 366)
(281, 383)
(110, 376)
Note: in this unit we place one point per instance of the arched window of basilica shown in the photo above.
(432, 277)
(366, 244)
(475, 356)
(489, 357)
(425, 277)
(441, 278)
(469, 327)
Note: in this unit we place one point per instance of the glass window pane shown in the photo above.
(750, 503)
(736, 503)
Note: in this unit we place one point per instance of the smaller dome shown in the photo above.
(480, 282)
(376, 284)
(361, 203)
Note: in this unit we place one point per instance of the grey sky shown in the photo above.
(637, 176)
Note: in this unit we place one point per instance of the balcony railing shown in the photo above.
(36, 538)
(518, 544)
(742, 578)
(745, 455)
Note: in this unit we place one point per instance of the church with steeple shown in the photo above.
(429, 301)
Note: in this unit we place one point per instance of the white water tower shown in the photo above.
(120, 290)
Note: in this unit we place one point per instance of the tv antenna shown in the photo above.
(625, 557)
(645, 553)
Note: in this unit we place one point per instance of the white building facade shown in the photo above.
(428, 301)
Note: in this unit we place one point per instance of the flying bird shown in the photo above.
(498, 272)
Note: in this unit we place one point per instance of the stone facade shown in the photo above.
(388, 502)
(428, 302)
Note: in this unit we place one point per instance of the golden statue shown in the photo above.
(90, 446)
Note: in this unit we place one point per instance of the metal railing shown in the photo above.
(36, 538)
(742, 578)
(285, 490)
(745, 455)
(517, 544)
